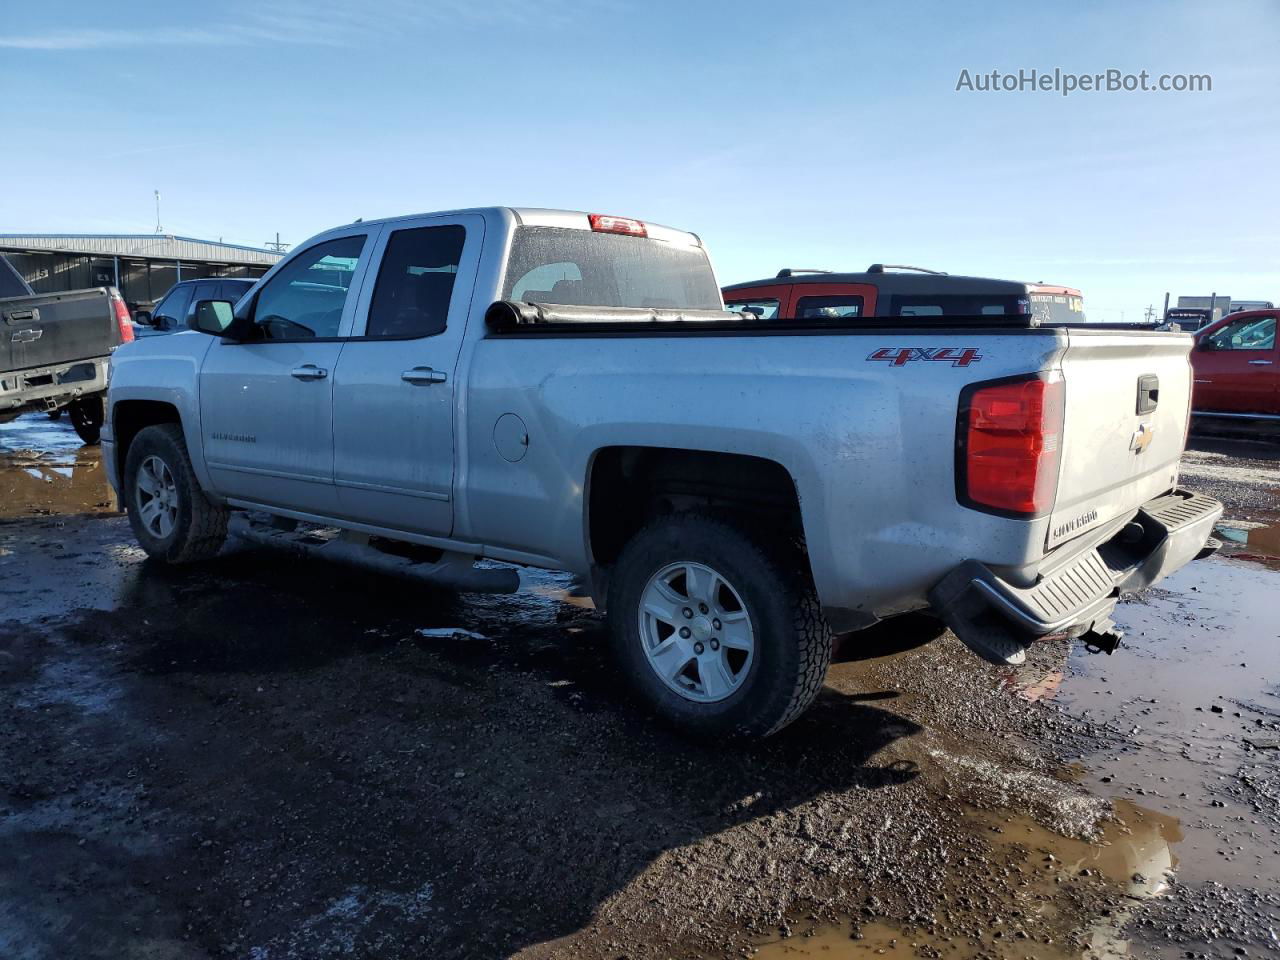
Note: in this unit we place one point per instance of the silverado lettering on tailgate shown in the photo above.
(1071, 526)
(901, 356)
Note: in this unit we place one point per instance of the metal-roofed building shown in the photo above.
(142, 266)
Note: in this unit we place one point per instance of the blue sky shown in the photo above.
(800, 134)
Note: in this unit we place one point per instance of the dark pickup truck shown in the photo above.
(55, 350)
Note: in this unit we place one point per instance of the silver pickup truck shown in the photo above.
(565, 390)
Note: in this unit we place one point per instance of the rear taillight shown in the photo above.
(603, 223)
(123, 320)
(1008, 445)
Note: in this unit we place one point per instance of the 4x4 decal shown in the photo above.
(901, 356)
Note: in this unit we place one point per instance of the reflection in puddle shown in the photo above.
(36, 484)
(1134, 852)
(1251, 540)
(45, 469)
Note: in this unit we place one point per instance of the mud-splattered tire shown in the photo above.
(662, 611)
(86, 418)
(171, 517)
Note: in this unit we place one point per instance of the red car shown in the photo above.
(1237, 367)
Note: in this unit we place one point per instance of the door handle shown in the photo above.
(420, 376)
(1260, 363)
(309, 371)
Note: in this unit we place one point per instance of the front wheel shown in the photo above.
(86, 418)
(720, 633)
(171, 517)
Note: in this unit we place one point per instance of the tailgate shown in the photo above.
(1127, 403)
(57, 328)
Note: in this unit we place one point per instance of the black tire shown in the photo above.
(87, 415)
(792, 640)
(200, 526)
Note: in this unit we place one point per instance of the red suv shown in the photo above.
(894, 291)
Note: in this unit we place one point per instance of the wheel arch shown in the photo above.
(131, 417)
(627, 486)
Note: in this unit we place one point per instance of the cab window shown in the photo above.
(1248, 333)
(415, 282)
(305, 299)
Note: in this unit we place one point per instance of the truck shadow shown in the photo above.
(474, 790)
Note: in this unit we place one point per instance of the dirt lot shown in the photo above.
(266, 759)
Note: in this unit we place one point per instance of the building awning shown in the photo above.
(150, 246)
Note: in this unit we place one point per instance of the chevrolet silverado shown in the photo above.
(566, 390)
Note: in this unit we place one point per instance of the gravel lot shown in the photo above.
(266, 759)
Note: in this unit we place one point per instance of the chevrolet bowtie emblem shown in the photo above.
(1141, 438)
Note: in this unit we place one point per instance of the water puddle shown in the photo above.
(46, 470)
(1190, 708)
(1257, 540)
(1135, 853)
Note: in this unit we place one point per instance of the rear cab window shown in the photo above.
(415, 282)
(588, 268)
(1057, 308)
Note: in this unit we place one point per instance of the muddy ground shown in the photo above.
(266, 759)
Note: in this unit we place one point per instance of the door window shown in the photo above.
(826, 308)
(172, 310)
(1248, 333)
(765, 308)
(415, 282)
(305, 299)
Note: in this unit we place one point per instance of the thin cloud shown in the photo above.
(305, 24)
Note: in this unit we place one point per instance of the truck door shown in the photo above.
(394, 389)
(266, 404)
(1236, 367)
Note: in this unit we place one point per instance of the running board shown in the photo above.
(456, 571)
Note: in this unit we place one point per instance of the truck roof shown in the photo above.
(545, 217)
(893, 282)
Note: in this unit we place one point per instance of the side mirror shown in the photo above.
(143, 317)
(213, 317)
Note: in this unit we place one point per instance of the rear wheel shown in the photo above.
(87, 415)
(171, 517)
(720, 633)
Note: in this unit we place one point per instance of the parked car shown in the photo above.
(565, 390)
(1237, 367)
(170, 314)
(55, 348)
